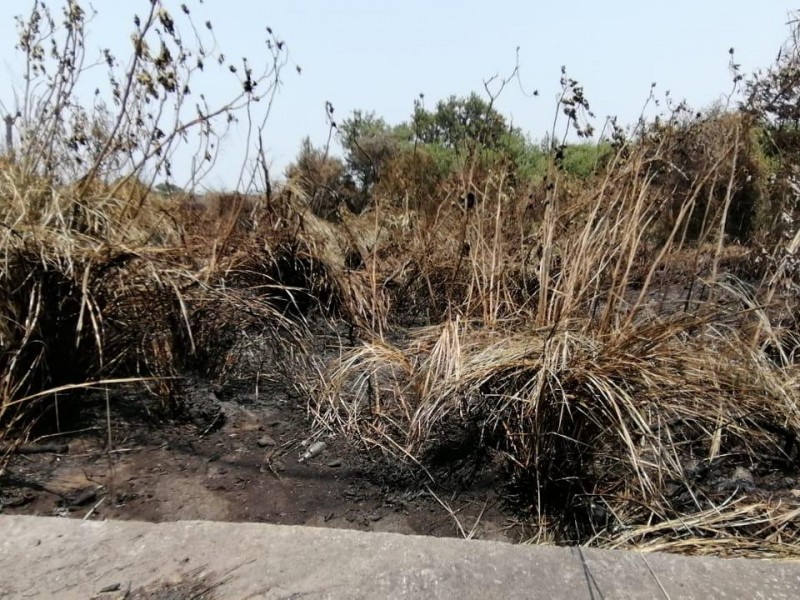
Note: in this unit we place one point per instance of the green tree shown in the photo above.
(473, 126)
(368, 144)
(459, 120)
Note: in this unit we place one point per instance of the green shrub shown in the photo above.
(584, 159)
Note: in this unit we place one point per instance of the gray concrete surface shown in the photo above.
(63, 558)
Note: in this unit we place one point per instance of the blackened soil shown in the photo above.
(237, 458)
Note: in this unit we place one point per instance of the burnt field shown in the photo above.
(660, 415)
(449, 330)
(235, 452)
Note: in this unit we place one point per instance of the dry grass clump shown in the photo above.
(696, 159)
(300, 261)
(624, 422)
(158, 291)
(103, 279)
(106, 301)
(622, 408)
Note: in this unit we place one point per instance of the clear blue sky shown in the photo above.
(379, 56)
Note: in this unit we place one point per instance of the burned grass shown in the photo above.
(617, 350)
(622, 390)
(623, 382)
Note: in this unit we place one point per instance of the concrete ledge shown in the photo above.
(64, 558)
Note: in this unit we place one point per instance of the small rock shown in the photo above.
(374, 517)
(335, 464)
(265, 441)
